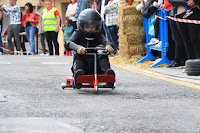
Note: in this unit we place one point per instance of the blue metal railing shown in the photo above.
(163, 36)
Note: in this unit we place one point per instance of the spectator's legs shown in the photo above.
(49, 41)
(42, 39)
(22, 40)
(16, 30)
(32, 38)
(9, 38)
(180, 54)
(113, 32)
(1, 49)
(184, 32)
(156, 27)
(30, 33)
(171, 47)
(194, 31)
(54, 36)
(74, 25)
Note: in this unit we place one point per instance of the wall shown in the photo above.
(21, 3)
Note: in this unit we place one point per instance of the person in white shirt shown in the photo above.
(71, 12)
(14, 27)
(111, 12)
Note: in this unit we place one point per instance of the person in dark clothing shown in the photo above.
(189, 32)
(89, 34)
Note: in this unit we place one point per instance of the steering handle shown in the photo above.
(95, 48)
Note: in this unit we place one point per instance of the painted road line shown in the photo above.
(2, 98)
(54, 63)
(36, 125)
(39, 57)
(160, 76)
(4, 63)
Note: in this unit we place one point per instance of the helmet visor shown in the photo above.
(94, 26)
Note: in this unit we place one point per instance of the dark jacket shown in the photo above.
(197, 2)
(176, 3)
(77, 40)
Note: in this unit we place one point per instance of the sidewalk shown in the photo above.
(170, 73)
(178, 73)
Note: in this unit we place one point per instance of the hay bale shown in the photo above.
(130, 32)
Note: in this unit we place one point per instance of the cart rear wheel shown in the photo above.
(113, 88)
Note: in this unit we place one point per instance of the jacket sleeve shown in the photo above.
(11, 9)
(23, 20)
(78, 9)
(177, 2)
(71, 43)
(69, 30)
(81, 5)
(6, 13)
(36, 19)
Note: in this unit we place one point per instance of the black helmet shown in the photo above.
(87, 18)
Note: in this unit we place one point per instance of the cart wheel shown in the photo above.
(63, 85)
(96, 89)
(113, 87)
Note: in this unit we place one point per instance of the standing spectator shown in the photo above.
(67, 29)
(155, 41)
(96, 5)
(38, 12)
(189, 32)
(1, 24)
(71, 12)
(51, 25)
(180, 53)
(111, 14)
(105, 27)
(29, 21)
(81, 5)
(14, 27)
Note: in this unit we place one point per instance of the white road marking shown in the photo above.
(54, 63)
(4, 62)
(46, 57)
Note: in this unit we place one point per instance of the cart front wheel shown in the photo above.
(63, 85)
(96, 89)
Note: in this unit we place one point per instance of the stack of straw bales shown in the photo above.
(130, 32)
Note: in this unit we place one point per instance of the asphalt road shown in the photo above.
(31, 86)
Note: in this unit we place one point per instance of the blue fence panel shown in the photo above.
(163, 36)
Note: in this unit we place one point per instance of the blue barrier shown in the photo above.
(163, 36)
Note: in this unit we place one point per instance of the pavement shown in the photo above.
(177, 73)
(33, 100)
(36, 125)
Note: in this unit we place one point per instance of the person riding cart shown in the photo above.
(89, 35)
